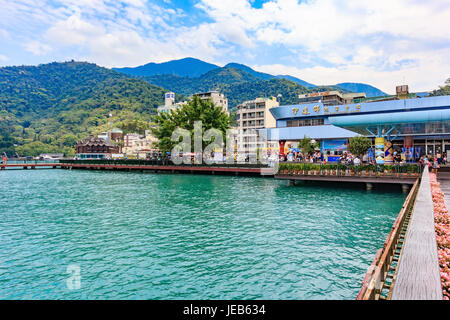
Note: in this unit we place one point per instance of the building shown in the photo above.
(252, 116)
(169, 103)
(405, 123)
(139, 146)
(51, 156)
(330, 98)
(115, 135)
(130, 139)
(217, 98)
(95, 148)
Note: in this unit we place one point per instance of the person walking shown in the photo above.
(435, 167)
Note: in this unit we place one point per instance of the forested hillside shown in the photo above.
(236, 84)
(46, 108)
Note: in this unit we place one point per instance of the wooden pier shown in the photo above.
(407, 267)
(418, 276)
(207, 169)
(26, 166)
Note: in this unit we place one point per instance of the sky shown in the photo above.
(383, 43)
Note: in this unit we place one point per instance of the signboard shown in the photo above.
(388, 152)
(336, 145)
(379, 150)
(333, 158)
(318, 109)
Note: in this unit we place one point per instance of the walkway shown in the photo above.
(418, 276)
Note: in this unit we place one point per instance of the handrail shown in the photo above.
(293, 169)
(162, 162)
(378, 270)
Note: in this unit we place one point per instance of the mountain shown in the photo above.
(212, 80)
(187, 67)
(193, 68)
(242, 67)
(47, 108)
(361, 87)
(237, 85)
(297, 80)
(178, 70)
(240, 92)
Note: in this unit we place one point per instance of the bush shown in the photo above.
(359, 145)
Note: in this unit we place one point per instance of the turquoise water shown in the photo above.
(144, 236)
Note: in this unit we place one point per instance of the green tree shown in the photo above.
(307, 145)
(359, 145)
(443, 90)
(184, 118)
(35, 148)
(68, 140)
(134, 126)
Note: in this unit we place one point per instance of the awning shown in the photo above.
(428, 122)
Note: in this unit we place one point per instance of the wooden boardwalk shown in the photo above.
(147, 168)
(418, 276)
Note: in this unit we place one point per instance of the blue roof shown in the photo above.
(312, 110)
(313, 132)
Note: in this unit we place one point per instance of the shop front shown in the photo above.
(333, 149)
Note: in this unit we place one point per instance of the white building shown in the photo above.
(217, 98)
(252, 116)
(169, 103)
(138, 146)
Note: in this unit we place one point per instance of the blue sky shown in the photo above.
(381, 42)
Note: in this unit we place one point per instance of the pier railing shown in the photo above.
(160, 162)
(380, 277)
(365, 170)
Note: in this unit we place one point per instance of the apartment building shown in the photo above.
(330, 98)
(252, 116)
(217, 98)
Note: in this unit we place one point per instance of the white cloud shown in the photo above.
(3, 58)
(324, 41)
(37, 48)
(379, 41)
(418, 77)
(4, 34)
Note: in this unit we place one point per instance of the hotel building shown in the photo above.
(217, 98)
(252, 116)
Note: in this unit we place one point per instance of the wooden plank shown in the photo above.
(376, 274)
(418, 276)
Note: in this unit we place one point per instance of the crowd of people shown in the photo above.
(297, 156)
(347, 158)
